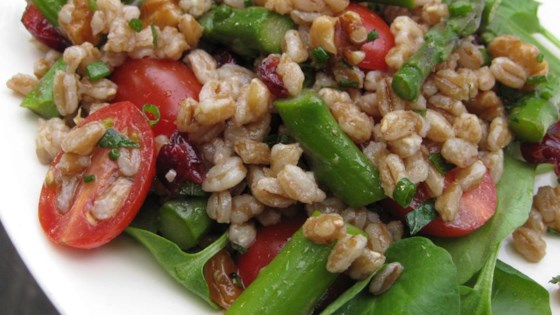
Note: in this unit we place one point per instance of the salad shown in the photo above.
(119, 139)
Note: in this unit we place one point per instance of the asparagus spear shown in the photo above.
(247, 32)
(291, 284)
(335, 159)
(440, 41)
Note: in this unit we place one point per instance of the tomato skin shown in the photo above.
(377, 49)
(477, 206)
(164, 83)
(73, 228)
(269, 242)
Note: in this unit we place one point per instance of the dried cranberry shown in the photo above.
(183, 158)
(266, 71)
(547, 151)
(38, 25)
(224, 57)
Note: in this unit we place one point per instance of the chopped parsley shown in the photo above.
(114, 139)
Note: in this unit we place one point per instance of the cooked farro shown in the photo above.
(254, 170)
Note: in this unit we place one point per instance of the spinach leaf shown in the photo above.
(421, 216)
(477, 300)
(428, 283)
(348, 295)
(185, 268)
(514, 293)
(114, 139)
(515, 196)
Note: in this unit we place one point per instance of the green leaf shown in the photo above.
(513, 293)
(427, 285)
(185, 268)
(348, 295)
(421, 216)
(515, 196)
(477, 300)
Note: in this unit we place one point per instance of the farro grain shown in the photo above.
(529, 244)
(324, 229)
(345, 252)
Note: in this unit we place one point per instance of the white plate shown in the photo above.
(120, 278)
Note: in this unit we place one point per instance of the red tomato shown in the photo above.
(377, 49)
(77, 227)
(164, 83)
(270, 241)
(476, 208)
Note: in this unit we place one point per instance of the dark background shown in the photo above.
(19, 293)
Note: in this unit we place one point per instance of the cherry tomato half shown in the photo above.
(476, 207)
(270, 241)
(78, 226)
(164, 83)
(375, 50)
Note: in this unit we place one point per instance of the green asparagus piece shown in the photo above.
(184, 221)
(291, 284)
(531, 118)
(247, 32)
(440, 41)
(40, 100)
(335, 159)
(410, 4)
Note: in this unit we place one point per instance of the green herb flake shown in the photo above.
(92, 5)
(152, 113)
(239, 248)
(320, 57)
(247, 3)
(373, 35)
(154, 35)
(114, 139)
(348, 84)
(89, 178)
(555, 280)
(97, 70)
(114, 154)
(421, 216)
(439, 163)
(540, 58)
(404, 192)
(136, 25)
